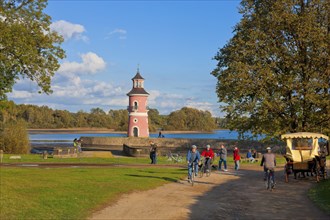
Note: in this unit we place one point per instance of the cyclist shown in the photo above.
(193, 156)
(208, 154)
(269, 163)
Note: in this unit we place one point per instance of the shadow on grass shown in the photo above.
(152, 171)
(154, 177)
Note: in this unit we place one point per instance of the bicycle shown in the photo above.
(204, 170)
(176, 158)
(269, 180)
(192, 177)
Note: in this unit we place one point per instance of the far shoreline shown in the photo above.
(99, 131)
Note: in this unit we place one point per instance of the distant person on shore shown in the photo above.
(193, 157)
(153, 153)
(75, 143)
(249, 156)
(223, 157)
(237, 158)
(79, 150)
(160, 134)
(208, 154)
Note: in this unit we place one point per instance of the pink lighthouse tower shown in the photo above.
(138, 125)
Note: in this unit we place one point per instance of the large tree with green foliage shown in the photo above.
(27, 46)
(274, 73)
(190, 119)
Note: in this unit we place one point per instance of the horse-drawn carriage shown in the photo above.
(306, 154)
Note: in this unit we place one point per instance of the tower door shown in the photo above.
(136, 132)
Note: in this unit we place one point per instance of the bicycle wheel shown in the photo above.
(272, 184)
(267, 180)
(208, 173)
(201, 171)
(192, 176)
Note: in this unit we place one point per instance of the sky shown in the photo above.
(172, 43)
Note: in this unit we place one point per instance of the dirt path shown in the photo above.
(240, 195)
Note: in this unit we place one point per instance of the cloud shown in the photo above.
(69, 30)
(91, 63)
(121, 33)
(20, 94)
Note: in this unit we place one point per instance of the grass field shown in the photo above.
(72, 193)
(320, 195)
(34, 158)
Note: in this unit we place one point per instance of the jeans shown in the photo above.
(224, 163)
(208, 162)
(190, 165)
(153, 158)
(236, 164)
(272, 173)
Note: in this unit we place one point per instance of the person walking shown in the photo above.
(237, 158)
(193, 157)
(223, 157)
(269, 162)
(79, 150)
(153, 153)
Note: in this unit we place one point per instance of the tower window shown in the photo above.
(135, 106)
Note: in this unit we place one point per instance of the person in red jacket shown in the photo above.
(237, 158)
(208, 154)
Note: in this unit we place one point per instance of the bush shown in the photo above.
(14, 137)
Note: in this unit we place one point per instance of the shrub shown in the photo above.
(14, 137)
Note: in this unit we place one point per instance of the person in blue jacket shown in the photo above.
(193, 157)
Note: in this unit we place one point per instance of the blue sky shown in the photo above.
(173, 42)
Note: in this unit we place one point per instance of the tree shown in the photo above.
(119, 119)
(28, 48)
(156, 121)
(274, 74)
(190, 119)
(98, 111)
(14, 138)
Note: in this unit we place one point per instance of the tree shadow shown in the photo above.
(246, 197)
(154, 177)
(152, 171)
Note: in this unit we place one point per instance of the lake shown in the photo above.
(68, 137)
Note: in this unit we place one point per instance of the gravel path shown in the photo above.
(231, 195)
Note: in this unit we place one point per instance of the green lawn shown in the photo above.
(72, 193)
(320, 195)
(34, 158)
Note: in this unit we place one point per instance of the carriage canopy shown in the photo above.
(302, 146)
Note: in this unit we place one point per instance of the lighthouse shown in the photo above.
(138, 125)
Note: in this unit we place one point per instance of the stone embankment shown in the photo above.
(166, 144)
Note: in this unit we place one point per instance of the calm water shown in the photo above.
(49, 138)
